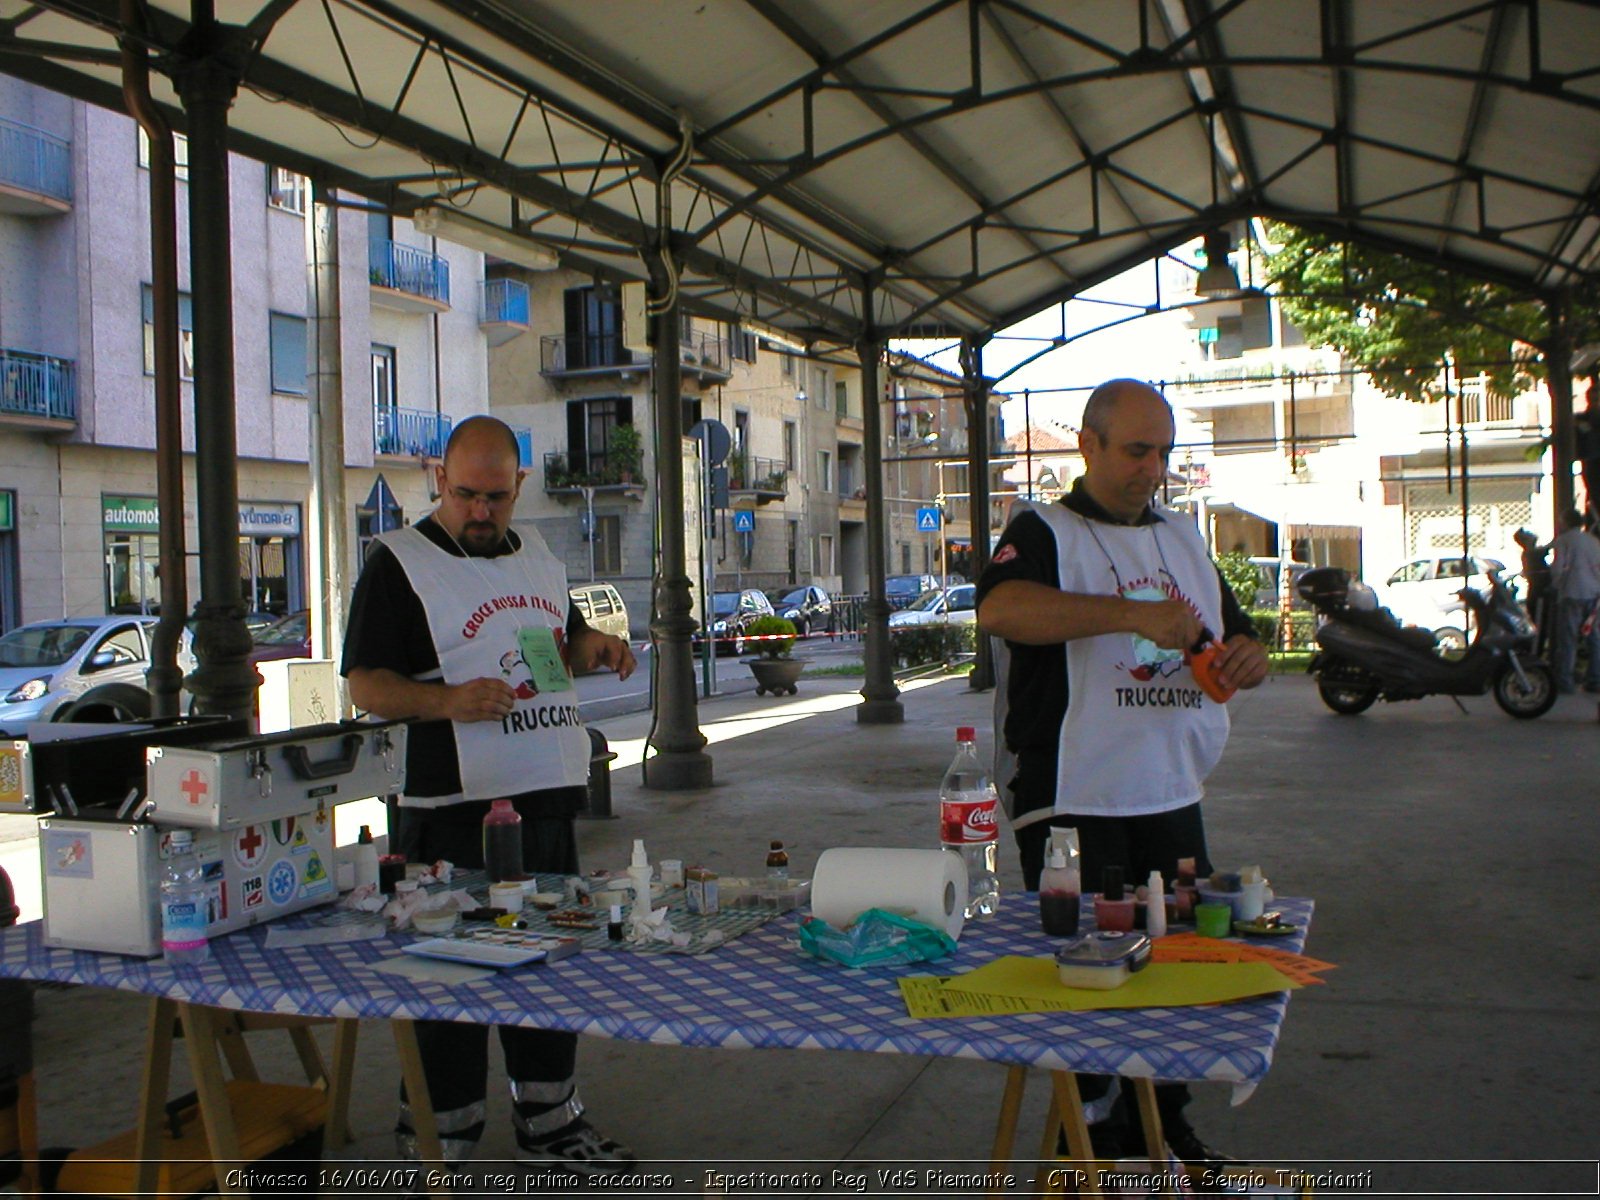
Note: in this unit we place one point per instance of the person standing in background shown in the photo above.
(1575, 577)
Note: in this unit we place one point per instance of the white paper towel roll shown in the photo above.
(926, 885)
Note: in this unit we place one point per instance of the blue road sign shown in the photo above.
(744, 521)
(928, 520)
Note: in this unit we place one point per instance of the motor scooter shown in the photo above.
(1367, 655)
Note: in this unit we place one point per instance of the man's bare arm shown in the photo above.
(1036, 614)
(392, 696)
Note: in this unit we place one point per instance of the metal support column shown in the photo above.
(880, 704)
(1557, 348)
(680, 761)
(164, 678)
(975, 394)
(224, 682)
(325, 407)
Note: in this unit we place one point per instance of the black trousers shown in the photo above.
(455, 1056)
(1139, 845)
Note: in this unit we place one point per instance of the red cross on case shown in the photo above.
(194, 786)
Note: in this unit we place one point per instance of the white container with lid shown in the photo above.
(1103, 959)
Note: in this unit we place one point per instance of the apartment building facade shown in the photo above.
(787, 504)
(77, 429)
(1301, 456)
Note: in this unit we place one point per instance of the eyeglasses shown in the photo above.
(469, 497)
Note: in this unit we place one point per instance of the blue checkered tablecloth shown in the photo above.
(757, 991)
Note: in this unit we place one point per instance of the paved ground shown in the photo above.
(1451, 857)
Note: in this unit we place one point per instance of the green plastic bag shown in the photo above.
(878, 938)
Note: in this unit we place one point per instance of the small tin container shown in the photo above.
(700, 886)
(1102, 960)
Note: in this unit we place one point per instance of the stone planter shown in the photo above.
(776, 675)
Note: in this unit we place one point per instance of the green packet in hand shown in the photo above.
(878, 938)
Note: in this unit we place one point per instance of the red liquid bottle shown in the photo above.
(1059, 892)
(502, 842)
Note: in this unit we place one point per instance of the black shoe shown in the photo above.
(1193, 1153)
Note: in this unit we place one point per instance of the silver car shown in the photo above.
(93, 665)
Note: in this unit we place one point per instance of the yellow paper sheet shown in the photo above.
(1159, 985)
(926, 996)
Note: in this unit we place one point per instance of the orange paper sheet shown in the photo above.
(1192, 948)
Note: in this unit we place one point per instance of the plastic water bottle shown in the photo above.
(502, 842)
(968, 824)
(185, 905)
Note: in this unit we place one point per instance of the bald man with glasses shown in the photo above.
(464, 627)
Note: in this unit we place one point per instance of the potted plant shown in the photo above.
(625, 452)
(774, 669)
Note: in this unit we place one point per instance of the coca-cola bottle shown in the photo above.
(967, 823)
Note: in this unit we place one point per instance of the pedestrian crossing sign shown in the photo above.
(928, 520)
(744, 521)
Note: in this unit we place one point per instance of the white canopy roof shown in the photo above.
(963, 163)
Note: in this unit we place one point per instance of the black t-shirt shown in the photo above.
(1036, 687)
(388, 628)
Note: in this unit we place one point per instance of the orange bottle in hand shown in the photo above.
(1202, 658)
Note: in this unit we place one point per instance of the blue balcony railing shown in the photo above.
(408, 269)
(524, 446)
(409, 431)
(35, 161)
(505, 300)
(33, 385)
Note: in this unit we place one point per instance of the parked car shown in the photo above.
(287, 637)
(1267, 569)
(958, 605)
(602, 607)
(730, 613)
(1423, 592)
(809, 607)
(901, 590)
(78, 668)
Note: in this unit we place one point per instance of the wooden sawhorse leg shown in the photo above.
(1066, 1117)
(153, 1095)
(421, 1103)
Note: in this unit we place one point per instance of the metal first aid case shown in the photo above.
(62, 766)
(102, 877)
(246, 781)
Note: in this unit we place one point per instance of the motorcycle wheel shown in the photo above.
(1347, 698)
(1525, 703)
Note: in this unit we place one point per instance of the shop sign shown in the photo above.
(7, 520)
(139, 514)
(129, 514)
(269, 520)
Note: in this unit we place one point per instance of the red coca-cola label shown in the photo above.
(968, 821)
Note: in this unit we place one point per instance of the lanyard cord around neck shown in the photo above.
(1112, 563)
(483, 576)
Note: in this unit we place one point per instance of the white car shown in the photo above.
(1423, 592)
(958, 605)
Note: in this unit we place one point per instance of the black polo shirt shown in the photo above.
(388, 628)
(1036, 691)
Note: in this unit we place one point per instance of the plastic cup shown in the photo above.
(506, 895)
(1213, 920)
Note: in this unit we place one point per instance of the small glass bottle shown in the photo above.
(777, 863)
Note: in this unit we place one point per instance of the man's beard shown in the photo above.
(480, 537)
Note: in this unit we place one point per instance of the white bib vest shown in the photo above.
(1139, 735)
(475, 607)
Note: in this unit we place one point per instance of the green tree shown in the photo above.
(1397, 318)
